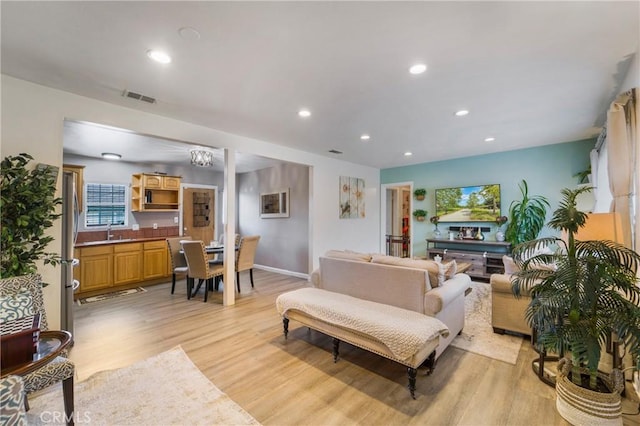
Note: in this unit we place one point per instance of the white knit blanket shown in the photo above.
(404, 332)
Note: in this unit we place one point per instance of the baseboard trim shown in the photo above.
(282, 271)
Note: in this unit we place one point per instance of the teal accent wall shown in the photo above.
(547, 169)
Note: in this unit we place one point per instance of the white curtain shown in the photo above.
(621, 143)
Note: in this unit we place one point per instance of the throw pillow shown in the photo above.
(435, 270)
(450, 269)
(510, 266)
(16, 306)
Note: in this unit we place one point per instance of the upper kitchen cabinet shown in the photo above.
(154, 192)
(78, 173)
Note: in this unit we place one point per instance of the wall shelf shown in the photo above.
(154, 193)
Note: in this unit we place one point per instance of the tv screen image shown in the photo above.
(468, 203)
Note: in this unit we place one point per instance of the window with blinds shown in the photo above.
(106, 204)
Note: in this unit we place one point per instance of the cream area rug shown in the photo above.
(478, 336)
(166, 389)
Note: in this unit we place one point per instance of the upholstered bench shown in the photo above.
(404, 336)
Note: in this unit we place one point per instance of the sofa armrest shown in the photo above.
(314, 278)
(436, 299)
(500, 283)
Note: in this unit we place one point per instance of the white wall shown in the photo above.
(32, 121)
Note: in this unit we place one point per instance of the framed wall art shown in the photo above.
(274, 204)
(351, 198)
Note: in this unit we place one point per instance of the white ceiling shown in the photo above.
(531, 73)
(91, 140)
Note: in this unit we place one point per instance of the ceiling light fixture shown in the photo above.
(462, 113)
(304, 113)
(111, 156)
(365, 137)
(417, 69)
(489, 139)
(408, 154)
(201, 157)
(159, 56)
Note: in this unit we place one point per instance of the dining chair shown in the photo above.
(178, 261)
(199, 267)
(246, 256)
(21, 296)
(217, 260)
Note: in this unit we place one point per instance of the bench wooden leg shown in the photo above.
(430, 363)
(285, 325)
(411, 372)
(336, 347)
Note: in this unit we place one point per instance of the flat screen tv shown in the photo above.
(468, 203)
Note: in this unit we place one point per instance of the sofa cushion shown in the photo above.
(510, 266)
(348, 254)
(435, 269)
(401, 287)
(450, 269)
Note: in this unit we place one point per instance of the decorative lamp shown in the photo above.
(201, 157)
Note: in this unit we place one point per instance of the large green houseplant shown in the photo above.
(28, 208)
(589, 293)
(526, 216)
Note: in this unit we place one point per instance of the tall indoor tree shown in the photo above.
(28, 208)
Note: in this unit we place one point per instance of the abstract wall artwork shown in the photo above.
(351, 197)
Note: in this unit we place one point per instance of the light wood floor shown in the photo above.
(241, 349)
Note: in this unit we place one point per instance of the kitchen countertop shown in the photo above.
(125, 240)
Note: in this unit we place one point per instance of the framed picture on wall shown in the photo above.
(274, 204)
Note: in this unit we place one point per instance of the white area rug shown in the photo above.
(166, 389)
(478, 336)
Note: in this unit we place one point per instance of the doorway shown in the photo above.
(199, 212)
(396, 225)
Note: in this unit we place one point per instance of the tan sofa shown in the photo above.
(398, 285)
(507, 311)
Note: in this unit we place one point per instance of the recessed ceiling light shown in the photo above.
(489, 139)
(462, 112)
(418, 69)
(111, 156)
(189, 33)
(159, 56)
(365, 137)
(408, 154)
(304, 113)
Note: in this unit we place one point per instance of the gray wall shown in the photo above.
(105, 171)
(284, 242)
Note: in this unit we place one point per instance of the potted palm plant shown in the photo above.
(590, 293)
(526, 216)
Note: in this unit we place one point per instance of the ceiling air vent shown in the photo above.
(335, 151)
(139, 97)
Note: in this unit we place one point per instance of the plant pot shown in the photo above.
(580, 406)
(419, 197)
(420, 218)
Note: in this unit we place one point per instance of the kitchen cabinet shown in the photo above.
(118, 265)
(155, 259)
(78, 178)
(96, 268)
(127, 263)
(154, 192)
